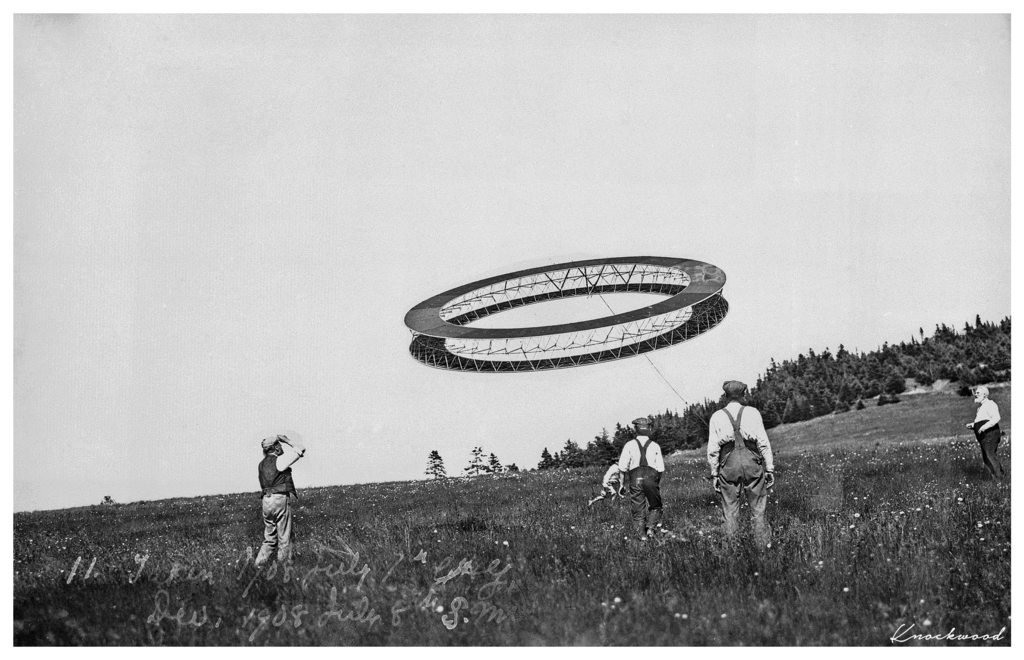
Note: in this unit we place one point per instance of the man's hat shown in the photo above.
(642, 421)
(734, 388)
(268, 442)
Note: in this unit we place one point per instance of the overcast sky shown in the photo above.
(221, 221)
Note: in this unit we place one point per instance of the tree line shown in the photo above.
(823, 383)
(477, 466)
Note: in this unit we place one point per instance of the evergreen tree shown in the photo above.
(546, 460)
(894, 384)
(623, 434)
(871, 388)
(493, 464)
(846, 393)
(435, 465)
(600, 450)
(572, 455)
(476, 465)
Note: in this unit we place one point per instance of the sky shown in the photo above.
(221, 221)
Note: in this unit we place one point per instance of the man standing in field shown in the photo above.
(275, 473)
(986, 430)
(641, 459)
(741, 461)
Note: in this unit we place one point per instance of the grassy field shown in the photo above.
(882, 518)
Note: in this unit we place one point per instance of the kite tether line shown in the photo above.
(653, 366)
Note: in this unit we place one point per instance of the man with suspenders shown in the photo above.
(641, 459)
(741, 460)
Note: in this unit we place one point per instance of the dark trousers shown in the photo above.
(989, 441)
(645, 498)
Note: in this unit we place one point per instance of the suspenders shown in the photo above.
(643, 451)
(736, 436)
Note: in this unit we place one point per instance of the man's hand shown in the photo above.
(769, 479)
(715, 484)
(969, 426)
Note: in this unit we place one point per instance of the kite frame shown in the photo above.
(694, 304)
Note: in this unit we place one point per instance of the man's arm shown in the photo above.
(292, 451)
(659, 459)
(714, 447)
(624, 459)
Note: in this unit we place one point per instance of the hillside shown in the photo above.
(882, 517)
(821, 384)
(929, 416)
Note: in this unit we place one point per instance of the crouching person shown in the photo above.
(611, 485)
(741, 461)
(641, 459)
(275, 474)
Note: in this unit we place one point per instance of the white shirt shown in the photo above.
(751, 428)
(987, 410)
(611, 477)
(630, 457)
(288, 457)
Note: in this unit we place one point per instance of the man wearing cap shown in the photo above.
(641, 459)
(986, 430)
(741, 460)
(275, 473)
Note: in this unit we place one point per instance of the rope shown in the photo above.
(658, 371)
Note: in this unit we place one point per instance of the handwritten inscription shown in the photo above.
(337, 566)
(181, 618)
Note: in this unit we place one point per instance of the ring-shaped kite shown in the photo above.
(443, 338)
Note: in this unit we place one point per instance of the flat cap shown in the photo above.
(734, 388)
(642, 421)
(268, 442)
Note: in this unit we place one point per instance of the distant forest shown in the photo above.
(823, 383)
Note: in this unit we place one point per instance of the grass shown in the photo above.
(881, 518)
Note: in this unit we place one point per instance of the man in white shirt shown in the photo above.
(641, 459)
(986, 430)
(275, 474)
(741, 460)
